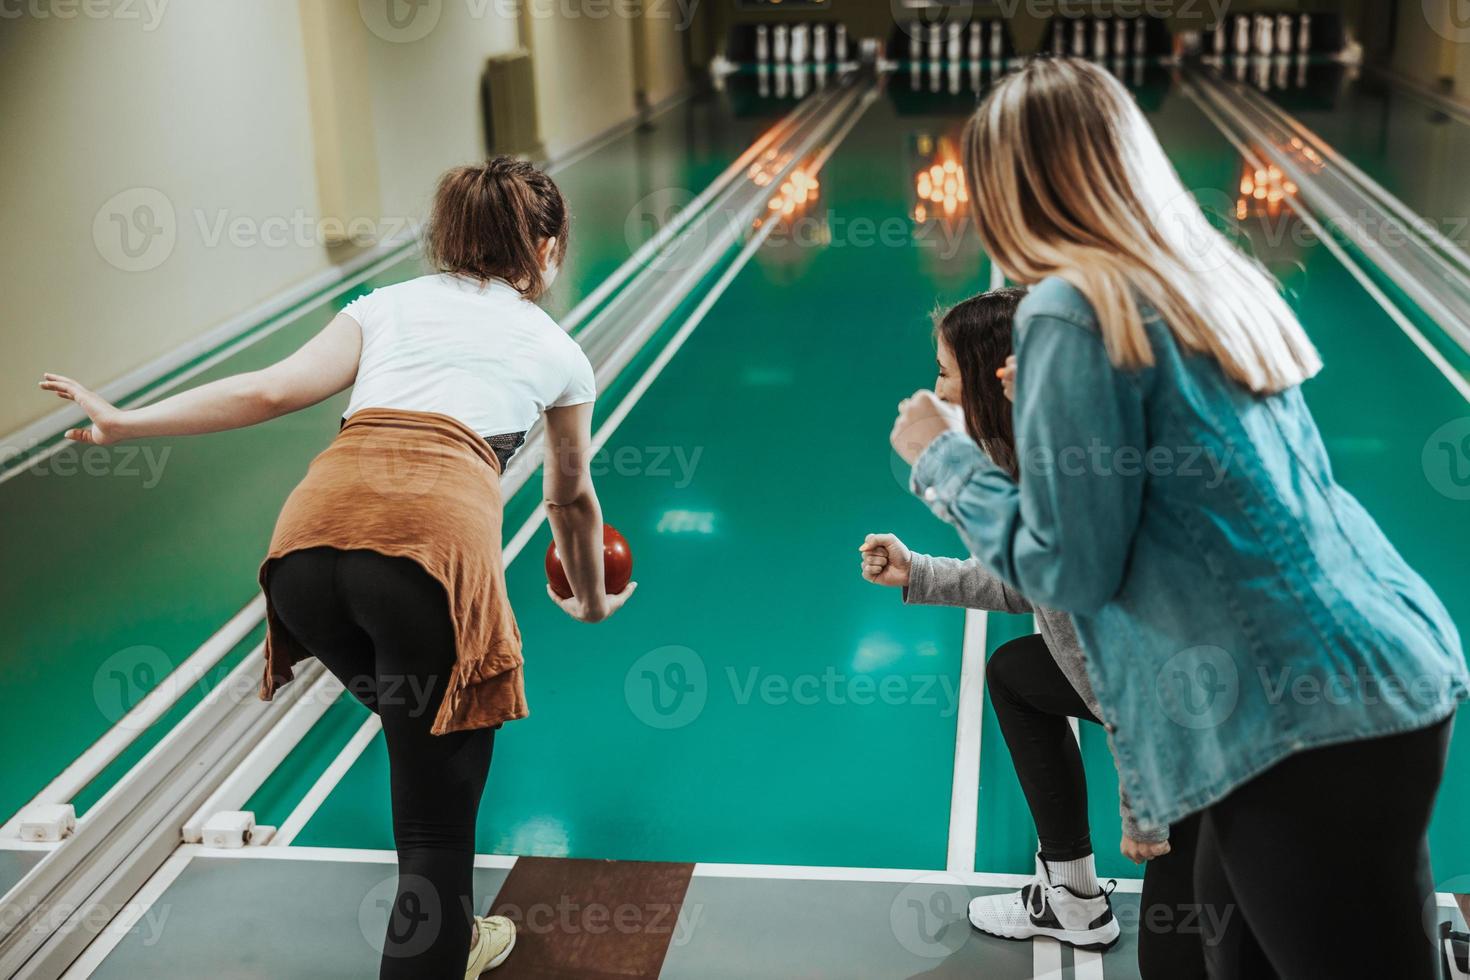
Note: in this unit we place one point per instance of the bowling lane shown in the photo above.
(1413, 149)
(149, 548)
(757, 701)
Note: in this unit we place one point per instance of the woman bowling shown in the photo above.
(385, 563)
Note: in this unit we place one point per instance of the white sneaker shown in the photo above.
(1044, 909)
(495, 937)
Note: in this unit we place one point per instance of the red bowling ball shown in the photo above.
(617, 564)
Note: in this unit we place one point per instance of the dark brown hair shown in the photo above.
(489, 219)
(978, 333)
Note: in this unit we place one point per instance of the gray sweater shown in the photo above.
(951, 582)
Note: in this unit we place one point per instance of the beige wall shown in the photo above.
(426, 96)
(584, 70)
(1422, 46)
(232, 129)
(199, 112)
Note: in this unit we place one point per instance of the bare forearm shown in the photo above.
(577, 527)
(229, 403)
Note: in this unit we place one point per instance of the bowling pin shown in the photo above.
(1100, 39)
(778, 44)
(1304, 34)
(819, 43)
(916, 41)
(762, 43)
(1140, 37)
(839, 44)
(936, 43)
(800, 38)
(1265, 34)
(952, 43)
(1219, 39)
(1242, 35)
(976, 48)
(1283, 34)
(997, 39)
(1058, 39)
(1120, 37)
(1079, 38)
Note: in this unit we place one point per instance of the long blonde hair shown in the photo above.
(1066, 178)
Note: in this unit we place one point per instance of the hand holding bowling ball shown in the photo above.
(617, 567)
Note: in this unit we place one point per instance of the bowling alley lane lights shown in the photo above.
(793, 199)
(1263, 191)
(939, 189)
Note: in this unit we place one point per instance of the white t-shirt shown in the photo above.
(482, 354)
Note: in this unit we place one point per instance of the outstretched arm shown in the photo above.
(325, 365)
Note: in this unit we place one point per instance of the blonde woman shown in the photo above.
(1261, 653)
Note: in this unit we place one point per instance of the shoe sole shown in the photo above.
(1096, 940)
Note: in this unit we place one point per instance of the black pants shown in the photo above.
(382, 626)
(1319, 867)
(1033, 699)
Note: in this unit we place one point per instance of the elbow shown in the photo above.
(267, 400)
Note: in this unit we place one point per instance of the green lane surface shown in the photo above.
(743, 568)
(120, 561)
(757, 701)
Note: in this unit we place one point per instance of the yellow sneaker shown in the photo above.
(495, 937)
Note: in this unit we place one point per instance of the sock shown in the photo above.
(1079, 875)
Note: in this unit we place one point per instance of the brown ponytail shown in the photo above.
(488, 219)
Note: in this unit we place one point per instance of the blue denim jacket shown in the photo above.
(1235, 604)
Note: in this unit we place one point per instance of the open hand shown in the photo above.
(106, 418)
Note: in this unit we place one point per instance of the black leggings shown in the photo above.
(1033, 699)
(382, 626)
(1323, 864)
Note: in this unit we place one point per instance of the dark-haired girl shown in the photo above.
(1036, 684)
(385, 563)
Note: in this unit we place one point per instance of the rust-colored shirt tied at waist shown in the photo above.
(422, 486)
